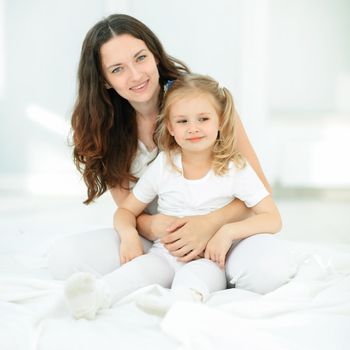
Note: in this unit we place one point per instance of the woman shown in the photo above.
(123, 73)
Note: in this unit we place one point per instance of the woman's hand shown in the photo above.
(218, 246)
(188, 236)
(130, 248)
(153, 227)
(160, 224)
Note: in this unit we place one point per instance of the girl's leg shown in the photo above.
(260, 263)
(140, 272)
(96, 252)
(86, 296)
(202, 275)
(193, 282)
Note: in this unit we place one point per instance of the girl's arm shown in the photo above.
(266, 220)
(151, 227)
(125, 224)
(187, 237)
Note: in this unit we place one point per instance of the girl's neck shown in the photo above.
(196, 165)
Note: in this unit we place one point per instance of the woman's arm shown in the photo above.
(188, 236)
(266, 220)
(246, 149)
(151, 227)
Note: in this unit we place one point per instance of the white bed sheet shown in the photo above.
(311, 312)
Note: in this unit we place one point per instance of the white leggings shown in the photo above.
(159, 267)
(260, 263)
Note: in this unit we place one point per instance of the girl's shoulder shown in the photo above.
(160, 161)
(168, 163)
(160, 157)
(234, 169)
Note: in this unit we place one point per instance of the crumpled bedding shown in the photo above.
(310, 312)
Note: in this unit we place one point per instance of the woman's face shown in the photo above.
(130, 69)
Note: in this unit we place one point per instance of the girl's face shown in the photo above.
(194, 122)
(130, 69)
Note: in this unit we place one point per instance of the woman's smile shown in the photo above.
(141, 87)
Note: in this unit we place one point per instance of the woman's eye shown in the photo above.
(117, 70)
(141, 58)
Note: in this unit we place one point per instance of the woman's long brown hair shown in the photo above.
(103, 123)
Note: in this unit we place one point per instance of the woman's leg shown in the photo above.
(260, 263)
(96, 252)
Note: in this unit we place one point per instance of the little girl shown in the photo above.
(199, 170)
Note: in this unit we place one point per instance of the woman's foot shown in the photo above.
(86, 296)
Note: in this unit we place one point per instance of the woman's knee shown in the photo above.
(96, 252)
(260, 263)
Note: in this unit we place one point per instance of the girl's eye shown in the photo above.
(117, 70)
(203, 119)
(181, 121)
(141, 58)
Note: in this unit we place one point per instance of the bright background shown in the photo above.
(286, 62)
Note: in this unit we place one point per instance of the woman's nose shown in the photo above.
(134, 72)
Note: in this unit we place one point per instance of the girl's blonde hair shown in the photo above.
(225, 149)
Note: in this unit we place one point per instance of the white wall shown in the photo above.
(309, 57)
(280, 59)
(41, 45)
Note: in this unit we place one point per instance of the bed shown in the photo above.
(310, 312)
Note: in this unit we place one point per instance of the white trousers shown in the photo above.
(260, 263)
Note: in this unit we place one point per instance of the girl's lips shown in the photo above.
(195, 139)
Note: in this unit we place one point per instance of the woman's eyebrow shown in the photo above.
(118, 64)
(138, 52)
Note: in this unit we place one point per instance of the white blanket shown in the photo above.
(310, 312)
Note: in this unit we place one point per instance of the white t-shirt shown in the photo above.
(179, 196)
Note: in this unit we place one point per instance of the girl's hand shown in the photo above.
(218, 247)
(188, 236)
(130, 248)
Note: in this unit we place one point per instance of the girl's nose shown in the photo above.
(192, 128)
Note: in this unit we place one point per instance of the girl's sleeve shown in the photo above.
(248, 187)
(146, 188)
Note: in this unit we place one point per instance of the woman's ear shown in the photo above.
(107, 86)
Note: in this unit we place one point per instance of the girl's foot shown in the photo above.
(86, 296)
(159, 305)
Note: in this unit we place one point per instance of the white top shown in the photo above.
(139, 166)
(179, 196)
(142, 158)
